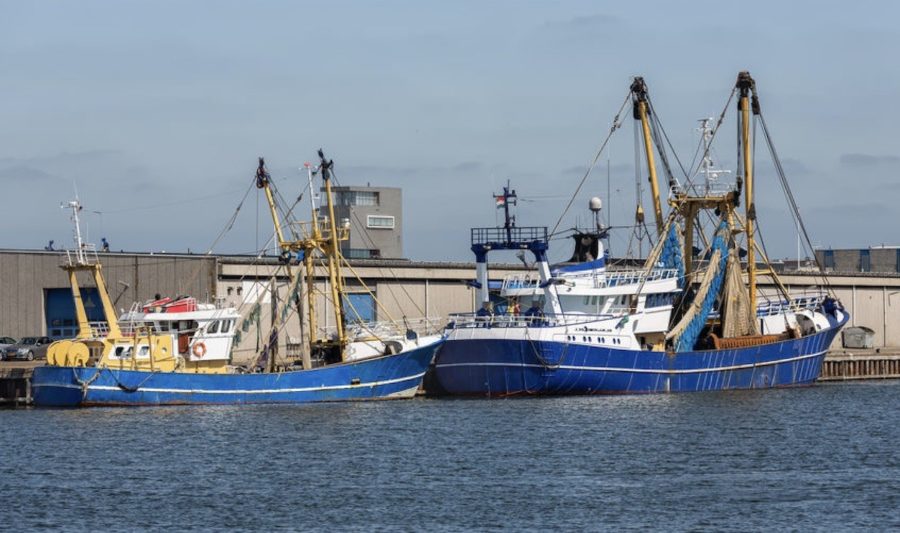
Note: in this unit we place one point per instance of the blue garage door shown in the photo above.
(59, 311)
(362, 304)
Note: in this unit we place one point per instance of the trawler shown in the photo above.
(179, 351)
(690, 319)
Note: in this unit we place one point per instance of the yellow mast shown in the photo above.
(746, 85)
(108, 309)
(84, 327)
(327, 243)
(642, 113)
(334, 257)
(262, 182)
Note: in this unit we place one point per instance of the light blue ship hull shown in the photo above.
(502, 367)
(390, 376)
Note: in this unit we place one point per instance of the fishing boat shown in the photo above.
(179, 351)
(690, 318)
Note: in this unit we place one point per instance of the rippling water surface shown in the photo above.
(826, 457)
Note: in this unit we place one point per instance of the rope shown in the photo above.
(126, 388)
(85, 384)
(367, 236)
(228, 226)
(792, 202)
(615, 125)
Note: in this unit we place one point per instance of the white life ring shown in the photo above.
(199, 350)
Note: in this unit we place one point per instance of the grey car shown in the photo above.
(5, 343)
(28, 349)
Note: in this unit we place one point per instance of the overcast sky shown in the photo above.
(158, 110)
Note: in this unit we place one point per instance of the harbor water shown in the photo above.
(825, 457)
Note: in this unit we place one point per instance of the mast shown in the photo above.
(334, 255)
(509, 222)
(263, 180)
(309, 270)
(748, 98)
(84, 257)
(642, 113)
(306, 245)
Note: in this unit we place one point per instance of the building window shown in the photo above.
(353, 198)
(380, 222)
(865, 261)
(829, 259)
(361, 253)
(897, 266)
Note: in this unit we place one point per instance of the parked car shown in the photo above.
(5, 342)
(28, 349)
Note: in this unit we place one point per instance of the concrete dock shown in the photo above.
(15, 382)
(847, 364)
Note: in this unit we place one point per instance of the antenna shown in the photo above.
(76, 208)
(504, 200)
(711, 174)
(311, 170)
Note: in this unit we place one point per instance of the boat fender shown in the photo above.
(199, 350)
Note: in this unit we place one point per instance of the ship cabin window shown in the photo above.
(658, 300)
(226, 325)
(213, 327)
(187, 325)
(594, 300)
(123, 352)
(230, 291)
(162, 327)
(144, 351)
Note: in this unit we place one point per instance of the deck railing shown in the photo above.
(515, 235)
(473, 320)
(421, 326)
(86, 256)
(635, 277)
(797, 303)
(601, 281)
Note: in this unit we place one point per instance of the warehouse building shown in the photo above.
(879, 259)
(35, 298)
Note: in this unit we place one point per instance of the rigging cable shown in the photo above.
(615, 125)
(792, 201)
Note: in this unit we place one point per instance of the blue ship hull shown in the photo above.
(391, 376)
(501, 367)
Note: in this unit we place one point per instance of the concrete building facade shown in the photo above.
(376, 221)
(882, 259)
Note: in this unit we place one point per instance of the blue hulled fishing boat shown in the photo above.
(179, 351)
(688, 319)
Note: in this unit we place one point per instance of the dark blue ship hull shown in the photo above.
(501, 367)
(391, 376)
